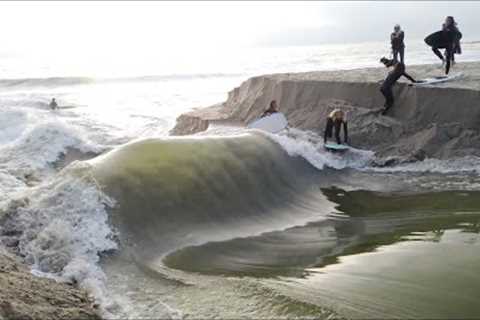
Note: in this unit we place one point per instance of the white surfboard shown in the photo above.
(439, 79)
(273, 123)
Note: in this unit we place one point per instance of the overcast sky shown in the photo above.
(169, 26)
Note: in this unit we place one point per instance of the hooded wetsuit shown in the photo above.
(337, 124)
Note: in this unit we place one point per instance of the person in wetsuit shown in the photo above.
(398, 46)
(271, 110)
(53, 104)
(450, 38)
(392, 78)
(457, 49)
(335, 120)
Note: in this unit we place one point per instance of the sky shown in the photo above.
(155, 27)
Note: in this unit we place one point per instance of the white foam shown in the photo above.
(64, 227)
(33, 142)
(309, 146)
(12, 124)
(455, 165)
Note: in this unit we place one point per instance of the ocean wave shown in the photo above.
(44, 82)
(53, 82)
(31, 144)
(183, 191)
(61, 227)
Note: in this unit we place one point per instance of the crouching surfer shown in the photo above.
(392, 78)
(335, 120)
(273, 108)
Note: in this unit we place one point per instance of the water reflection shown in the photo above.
(370, 220)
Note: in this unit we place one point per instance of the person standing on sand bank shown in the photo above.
(392, 78)
(53, 104)
(457, 49)
(271, 110)
(398, 46)
(336, 119)
(446, 39)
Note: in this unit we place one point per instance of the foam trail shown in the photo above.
(455, 165)
(310, 147)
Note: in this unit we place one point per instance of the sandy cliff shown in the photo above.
(439, 121)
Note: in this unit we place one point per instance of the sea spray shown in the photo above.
(62, 227)
(34, 142)
(309, 146)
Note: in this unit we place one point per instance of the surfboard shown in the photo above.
(273, 123)
(439, 79)
(335, 147)
(436, 39)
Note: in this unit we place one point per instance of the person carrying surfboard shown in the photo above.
(335, 120)
(398, 46)
(387, 87)
(457, 49)
(446, 39)
(273, 108)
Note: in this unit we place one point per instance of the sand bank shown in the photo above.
(440, 121)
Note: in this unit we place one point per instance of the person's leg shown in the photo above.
(438, 53)
(448, 58)
(402, 55)
(383, 91)
(388, 94)
(395, 54)
(337, 134)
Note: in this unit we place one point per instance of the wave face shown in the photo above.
(177, 192)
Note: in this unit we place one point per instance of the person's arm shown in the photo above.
(401, 36)
(345, 132)
(406, 75)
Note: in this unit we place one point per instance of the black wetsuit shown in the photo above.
(392, 78)
(450, 37)
(337, 124)
(398, 47)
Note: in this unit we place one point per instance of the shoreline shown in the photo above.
(426, 121)
(26, 296)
